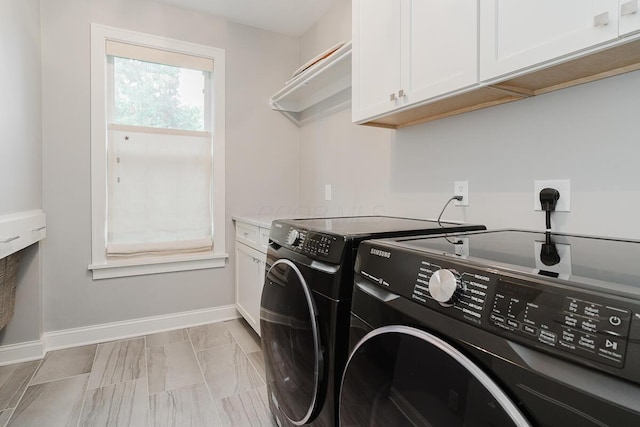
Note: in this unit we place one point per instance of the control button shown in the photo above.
(570, 321)
(568, 335)
(444, 286)
(613, 345)
(530, 330)
(497, 319)
(587, 342)
(589, 326)
(612, 349)
(572, 305)
(592, 310)
(513, 323)
(548, 337)
(615, 321)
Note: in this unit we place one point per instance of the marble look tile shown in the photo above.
(13, 381)
(246, 409)
(117, 362)
(227, 371)
(257, 360)
(56, 403)
(124, 404)
(4, 417)
(245, 336)
(208, 336)
(184, 407)
(169, 337)
(65, 363)
(172, 366)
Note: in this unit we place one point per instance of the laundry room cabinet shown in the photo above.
(515, 35)
(252, 240)
(629, 17)
(409, 51)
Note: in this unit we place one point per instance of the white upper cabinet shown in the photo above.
(629, 17)
(515, 35)
(408, 51)
(376, 77)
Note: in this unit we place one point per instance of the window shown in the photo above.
(157, 172)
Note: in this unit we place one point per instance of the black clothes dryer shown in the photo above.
(305, 306)
(495, 328)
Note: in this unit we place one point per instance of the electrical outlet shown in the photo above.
(327, 192)
(461, 188)
(564, 188)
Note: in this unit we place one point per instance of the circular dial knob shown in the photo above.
(443, 286)
(293, 238)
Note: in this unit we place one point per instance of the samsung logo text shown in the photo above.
(378, 252)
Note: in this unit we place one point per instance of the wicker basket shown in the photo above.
(8, 278)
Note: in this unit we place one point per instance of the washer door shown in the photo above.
(402, 376)
(291, 342)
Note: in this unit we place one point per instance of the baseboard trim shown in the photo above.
(22, 352)
(56, 340)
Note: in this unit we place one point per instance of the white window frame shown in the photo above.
(102, 267)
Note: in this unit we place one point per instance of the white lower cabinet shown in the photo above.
(251, 257)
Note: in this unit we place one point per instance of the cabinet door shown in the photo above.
(629, 17)
(250, 270)
(376, 57)
(518, 34)
(440, 47)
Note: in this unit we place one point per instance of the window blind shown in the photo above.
(159, 193)
(158, 56)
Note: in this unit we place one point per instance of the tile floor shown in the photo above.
(209, 375)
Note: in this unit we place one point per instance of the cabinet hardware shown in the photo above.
(9, 239)
(601, 20)
(392, 97)
(39, 228)
(629, 8)
(401, 93)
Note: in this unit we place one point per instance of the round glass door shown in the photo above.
(401, 376)
(291, 342)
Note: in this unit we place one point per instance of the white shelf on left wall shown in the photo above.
(22, 229)
(323, 88)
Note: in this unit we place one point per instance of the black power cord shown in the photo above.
(458, 198)
(548, 199)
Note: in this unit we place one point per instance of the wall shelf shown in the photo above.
(323, 88)
(17, 231)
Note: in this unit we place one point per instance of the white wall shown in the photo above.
(586, 134)
(354, 160)
(21, 149)
(20, 113)
(260, 143)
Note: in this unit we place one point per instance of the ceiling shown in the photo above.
(289, 17)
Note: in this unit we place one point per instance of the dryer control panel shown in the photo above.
(568, 320)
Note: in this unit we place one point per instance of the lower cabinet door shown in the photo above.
(250, 270)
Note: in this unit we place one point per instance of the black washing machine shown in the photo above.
(495, 328)
(305, 306)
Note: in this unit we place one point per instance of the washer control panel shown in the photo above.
(315, 245)
(561, 318)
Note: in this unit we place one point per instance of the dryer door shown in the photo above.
(402, 376)
(291, 342)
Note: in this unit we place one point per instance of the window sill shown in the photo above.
(139, 267)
